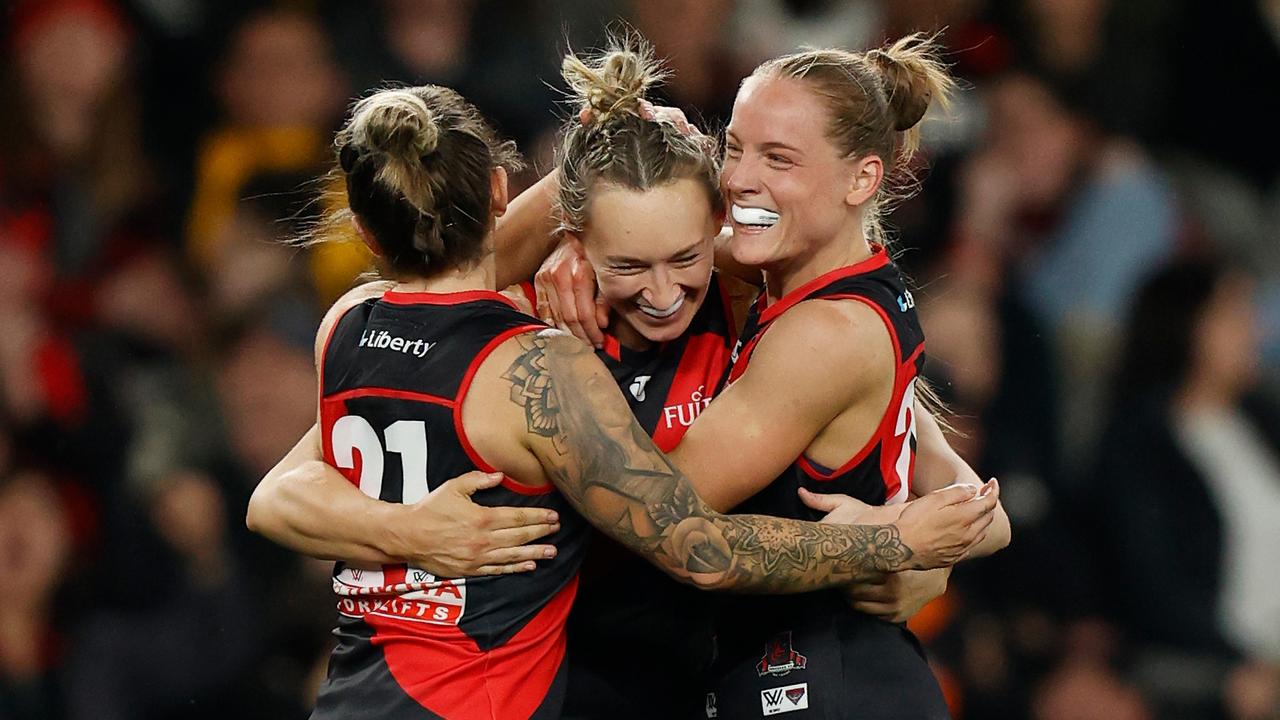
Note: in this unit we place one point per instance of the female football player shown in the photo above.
(439, 375)
(815, 140)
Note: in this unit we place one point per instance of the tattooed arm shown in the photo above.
(575, 422)
(308, 506)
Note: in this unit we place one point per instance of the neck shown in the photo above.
(477, 277)
(785, 276)
(628, 336)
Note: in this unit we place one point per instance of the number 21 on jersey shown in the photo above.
(353, 434)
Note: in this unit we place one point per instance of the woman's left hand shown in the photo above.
(846, 510)
(898, 596)
(565, 288)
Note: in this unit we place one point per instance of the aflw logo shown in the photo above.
(789, 698)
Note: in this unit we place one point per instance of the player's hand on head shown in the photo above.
(898, 596)
(672, 115)
(565, 287)
(449, 535)
(942, 527)
(653, 113)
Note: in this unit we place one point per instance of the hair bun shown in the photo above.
(906, 87)
(616, 81)
(398, 123)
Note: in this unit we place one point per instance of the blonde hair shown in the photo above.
(416, 163)
(616, 145)
(876, 101)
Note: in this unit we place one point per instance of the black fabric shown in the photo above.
(848, 665)
(639, 642)
(408, 358)
(859, 667)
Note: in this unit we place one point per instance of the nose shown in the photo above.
(662, 290)
(742, 178)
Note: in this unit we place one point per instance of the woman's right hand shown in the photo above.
(449, 535)
(943, 526)
(565, 287)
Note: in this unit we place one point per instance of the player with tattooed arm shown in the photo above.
(439, 375)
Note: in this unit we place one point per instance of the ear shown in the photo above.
(366, 236)
(498, 191)
(867, 173)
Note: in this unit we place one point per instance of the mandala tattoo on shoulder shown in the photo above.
(532, 390)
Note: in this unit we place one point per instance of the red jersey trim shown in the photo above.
(397, 297)
(886, 420)
(768, 312)
(612, 347)
(531, 293)
(508, 482)
(321, 364)
(390, 393)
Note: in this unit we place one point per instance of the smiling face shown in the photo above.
(788, 186)
(653, 252)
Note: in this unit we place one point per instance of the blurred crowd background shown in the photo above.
(1096, 246)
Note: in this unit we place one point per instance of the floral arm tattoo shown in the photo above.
(602, 460)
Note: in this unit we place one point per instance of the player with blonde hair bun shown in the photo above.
(434, 375)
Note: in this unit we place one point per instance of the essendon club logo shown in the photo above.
(780, 657)
(790, 698)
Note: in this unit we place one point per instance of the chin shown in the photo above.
(663, 334)
(751, 250)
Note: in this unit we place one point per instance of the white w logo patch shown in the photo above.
(788, 698)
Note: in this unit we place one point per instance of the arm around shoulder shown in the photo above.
(574, 420)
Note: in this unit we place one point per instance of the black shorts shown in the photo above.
(640, 644)
(600, 692)
(650, 665)
(811, 656)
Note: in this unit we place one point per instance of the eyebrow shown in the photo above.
(729, 135)
(623, 259)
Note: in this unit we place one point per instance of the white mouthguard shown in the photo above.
(656, 313)
(753, 215)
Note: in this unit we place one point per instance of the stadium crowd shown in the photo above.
(1096, 247)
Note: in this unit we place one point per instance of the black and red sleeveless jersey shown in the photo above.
(843, 662)
(880, 472)
(667, 386)
(639, 640)
(393, 377)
